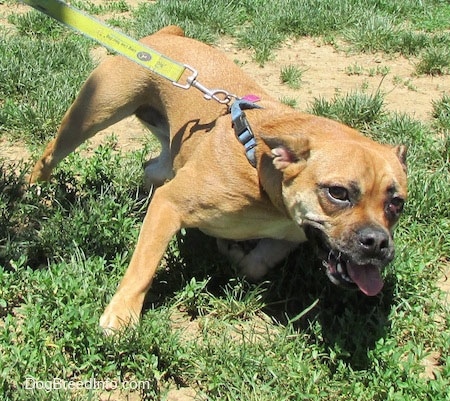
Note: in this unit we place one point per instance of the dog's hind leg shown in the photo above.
(104, 99)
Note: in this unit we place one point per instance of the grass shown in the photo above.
(37, 90)
(441, 112)
(65, 245)
(435, 61)
(357, 109)
(291, 75)
(408, 27)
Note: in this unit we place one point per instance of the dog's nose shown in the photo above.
(375, 242)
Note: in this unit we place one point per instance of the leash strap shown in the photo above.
(128, 47)
(110, 38)
(152, 60)
(242, 127)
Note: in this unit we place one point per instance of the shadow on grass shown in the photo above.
(297, 293)
(350, 322)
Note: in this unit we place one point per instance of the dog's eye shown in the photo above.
(395, 206)
(338, 193)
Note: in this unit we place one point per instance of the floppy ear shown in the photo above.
(401, 151)
(287, 150)
(287, 155)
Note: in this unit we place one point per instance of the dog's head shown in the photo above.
(345, 190)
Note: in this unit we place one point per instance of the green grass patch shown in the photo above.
(291, 75)
(291, 102)
(355, 109)
(441, 112)
(39, 77)
(119, 6)
(435, 61)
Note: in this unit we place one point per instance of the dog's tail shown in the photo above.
(171, 30)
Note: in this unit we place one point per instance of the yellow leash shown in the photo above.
(110, 38)
(126, 46)
(154, 61)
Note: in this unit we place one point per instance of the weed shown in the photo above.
(291, 102)
(355, 109)
(434, 61)
(380, 71)
(441, 112)
(291, 75)
(194, 300)
(354, 69)
(397, 80)
(357, 69)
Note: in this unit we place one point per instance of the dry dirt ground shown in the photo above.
(326, 73)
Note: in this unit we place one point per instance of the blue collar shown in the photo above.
(242, 127)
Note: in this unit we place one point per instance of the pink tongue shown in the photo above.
(367, 278)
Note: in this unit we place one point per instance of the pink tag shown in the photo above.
(252, 98)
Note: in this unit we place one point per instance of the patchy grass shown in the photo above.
(357, 109)
(435, 61)
(441, 112)
(65, 245)
(291, 75)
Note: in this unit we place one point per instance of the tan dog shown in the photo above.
(314, 178)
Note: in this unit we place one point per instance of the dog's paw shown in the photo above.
(118, 317)
(256, 257)
(243, 254)
(253, 268)
(231, 249)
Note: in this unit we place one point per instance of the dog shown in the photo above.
(314, 179)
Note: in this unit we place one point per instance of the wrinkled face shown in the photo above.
(348, 195)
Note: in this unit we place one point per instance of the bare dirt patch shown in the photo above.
(329, 71)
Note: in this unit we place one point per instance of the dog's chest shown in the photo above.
(252, 227)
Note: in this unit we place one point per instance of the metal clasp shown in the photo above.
(219, 95)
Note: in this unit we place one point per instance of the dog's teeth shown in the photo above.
(347, 278)
(343, 273)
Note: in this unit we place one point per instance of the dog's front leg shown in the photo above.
(160, 224)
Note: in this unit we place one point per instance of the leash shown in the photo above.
(155, 62)
(127, 46)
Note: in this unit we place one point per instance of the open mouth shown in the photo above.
(341, 271)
